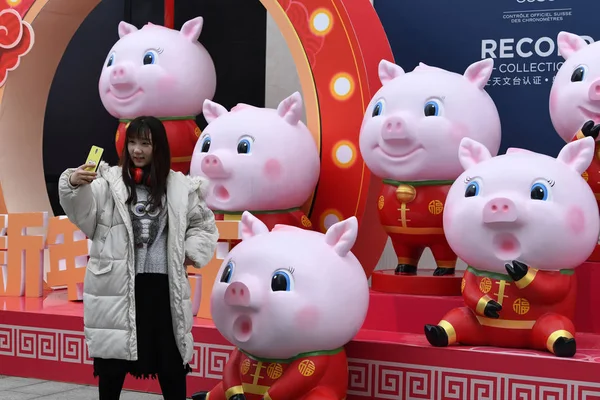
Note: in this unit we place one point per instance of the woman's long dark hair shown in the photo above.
(148, 128)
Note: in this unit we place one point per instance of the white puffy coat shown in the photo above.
(100, 211)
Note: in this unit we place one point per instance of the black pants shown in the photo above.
(173, 386)
(158, 355)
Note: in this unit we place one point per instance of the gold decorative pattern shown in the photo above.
(435, 207)
(305, 221)
(306, 368)
(274, 371)
(245, 367)
(485, 285)
(380, 202)
(405, 193)
(521, 306)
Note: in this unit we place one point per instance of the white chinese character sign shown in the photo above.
(520, 35)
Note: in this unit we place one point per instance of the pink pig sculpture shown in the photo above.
(410, 136)
(575, 97)
(159, 72)
(258, 159)
(288, 300)
(522, 221)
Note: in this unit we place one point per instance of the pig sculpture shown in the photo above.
(258, 159)
(575, 97)
(163, 73)
(522, 221)
(410, 137)
(288, 300)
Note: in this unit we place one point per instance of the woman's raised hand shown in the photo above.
(81, 176)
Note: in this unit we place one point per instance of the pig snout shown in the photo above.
(394, 127)
(500, 209)
(121, 77)
(213, 167)
(594, 91)
(238, 294)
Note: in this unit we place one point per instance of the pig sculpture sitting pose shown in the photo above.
(522, 221)
(289, 300)
(410, 137)
(258, 159)
(163, 73)
(575, 97)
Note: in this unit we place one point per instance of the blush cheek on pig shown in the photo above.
(575, 220)
(272, 169)
(458, 131)
(166, 83)
(307, 317)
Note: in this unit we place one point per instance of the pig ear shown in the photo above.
(341, 236)
(389, 71)
(191, 30)
(125, 29)
(290, 109)
(578, 154)
(479, 73)
(212, 110)
(251, 226)
(569, 43)
(471, 153)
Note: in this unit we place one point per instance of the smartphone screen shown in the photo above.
(95, 156)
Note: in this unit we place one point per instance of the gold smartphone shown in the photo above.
(95, 156)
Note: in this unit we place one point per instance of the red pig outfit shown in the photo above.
(536, 310)
(411, 214)
(319, 375)
(292, 216)
(592, 174)
(182, 134)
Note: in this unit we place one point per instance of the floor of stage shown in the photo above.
(43, 339)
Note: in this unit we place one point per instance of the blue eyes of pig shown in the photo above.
(378, 109)
(227, 272)
(150, 57)
(431, 109)
(539, 191)
(472, 189)
(244, 146)
(205, 144)
(281, 281)
(578, 74)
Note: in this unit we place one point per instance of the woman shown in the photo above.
(144, 220)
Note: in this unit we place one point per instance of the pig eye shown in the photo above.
(227, 272)
(539, 191)
(150, 57)
(152, 213)
(578, 74)
(111, 60)
(378, 109)
(431, 109)
(282, 281)
(139, 209)
(205, 145)
(244, 145)
(472, 189)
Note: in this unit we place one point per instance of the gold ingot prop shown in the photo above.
(405, 193)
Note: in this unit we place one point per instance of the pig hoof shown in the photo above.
(564, 347)
(443, 271)
(405, 269)
(436, 335)
(199, 396)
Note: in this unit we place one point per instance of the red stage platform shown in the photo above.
(44, 339)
